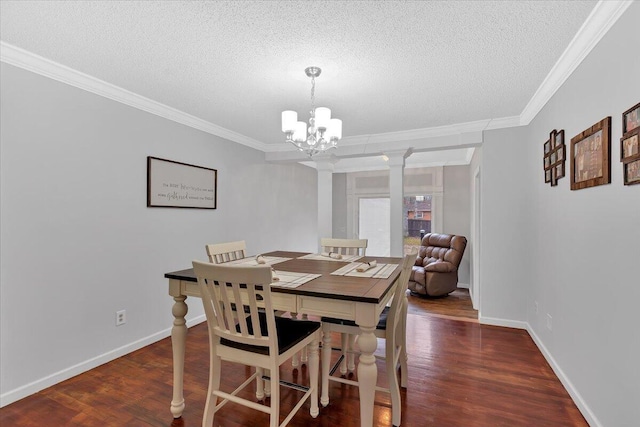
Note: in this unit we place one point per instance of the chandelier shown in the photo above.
(323, 132)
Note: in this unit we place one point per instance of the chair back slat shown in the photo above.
(344, 246)
(225, 252)
(228, 306)
(242, 320)
(226, 292)
(253, 310)
(398, 305)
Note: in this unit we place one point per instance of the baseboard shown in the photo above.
(35, 386)
(502, 322)
(463, 285)
(568, 385)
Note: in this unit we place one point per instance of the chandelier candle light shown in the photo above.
(323, 132)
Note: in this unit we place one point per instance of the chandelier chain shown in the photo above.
(313, 94)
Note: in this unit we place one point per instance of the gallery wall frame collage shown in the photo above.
(590, 153)
(630, 145)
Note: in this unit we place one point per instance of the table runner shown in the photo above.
(318, 257)
(380, 271)
(290, 279)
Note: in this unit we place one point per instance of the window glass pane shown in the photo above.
(417, 220)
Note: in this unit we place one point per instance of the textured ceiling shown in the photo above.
(387, 66)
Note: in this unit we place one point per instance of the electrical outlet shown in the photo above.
(549, 322)
(535, 307)
(121, 317)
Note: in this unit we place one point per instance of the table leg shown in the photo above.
(178, 343)
(367, 374)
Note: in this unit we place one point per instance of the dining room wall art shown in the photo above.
(554, 157)
(590, 160)
(630, 145)
(173, 184)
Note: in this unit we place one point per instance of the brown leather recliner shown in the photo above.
(435, 272)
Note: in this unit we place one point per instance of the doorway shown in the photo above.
(374, 224)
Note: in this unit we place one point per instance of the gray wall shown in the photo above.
(575, 253)
(339, 206)
(506, 225)
(78, 242)
(457, 211)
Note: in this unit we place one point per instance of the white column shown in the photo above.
(396, 195)
(325, 167)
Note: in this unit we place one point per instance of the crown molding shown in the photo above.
(504, 122)
(416, 134)
(18, 57)
(600, 20)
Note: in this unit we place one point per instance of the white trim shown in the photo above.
(415, 134)
(463, 285)
(493, 321)
(592, 420)
(18, 57)
(504, 122)
(598, 23)
(57, 377)
(568, 385)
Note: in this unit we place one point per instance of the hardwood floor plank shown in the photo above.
(461, 373)
(457, 305)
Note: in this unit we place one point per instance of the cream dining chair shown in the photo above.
(258, 339)
(220, 253)
(224, 252)
(391, 327)
(344, 246)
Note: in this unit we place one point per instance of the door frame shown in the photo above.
(476, 236)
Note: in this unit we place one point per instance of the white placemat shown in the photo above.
(251, 261)
(290, 279)
(319, 257)
(380, 271)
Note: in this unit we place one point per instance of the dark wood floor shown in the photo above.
(456, 305)
(461, 373)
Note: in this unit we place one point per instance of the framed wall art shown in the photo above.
(554, 157)
(590, 161)
(630, 145)
(631, 119)
(632, 172)
(180, 185)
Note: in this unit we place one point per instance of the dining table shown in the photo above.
(311, 284)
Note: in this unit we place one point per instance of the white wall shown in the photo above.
(457, 208)
(506, 227)
(339, 205)
(574, 252)
(78, 242)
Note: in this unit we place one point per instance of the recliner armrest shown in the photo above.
(440, 267)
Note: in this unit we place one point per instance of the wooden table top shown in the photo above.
(361, 289)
